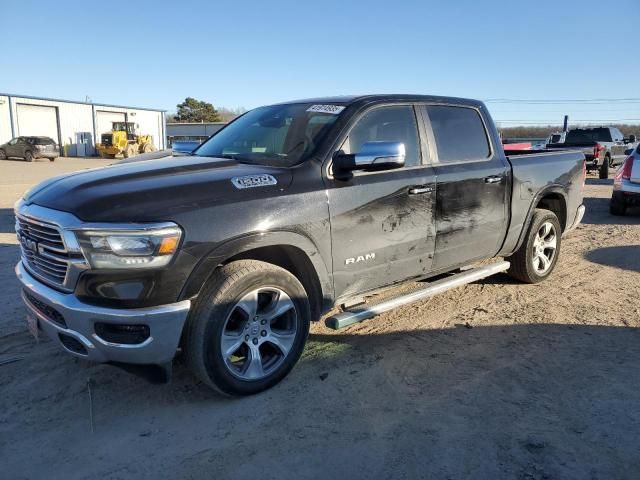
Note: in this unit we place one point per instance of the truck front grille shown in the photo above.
(43, 250)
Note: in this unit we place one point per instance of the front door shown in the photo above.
(382, 222)
(471, 204)
(11, 149)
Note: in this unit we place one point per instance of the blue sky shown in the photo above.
(249, 53)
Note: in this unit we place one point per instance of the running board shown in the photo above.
(345, 319)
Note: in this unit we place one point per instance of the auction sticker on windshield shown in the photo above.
(333, 109)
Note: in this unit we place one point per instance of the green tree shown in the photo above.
(192, 110)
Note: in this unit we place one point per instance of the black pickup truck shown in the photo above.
(229, 253)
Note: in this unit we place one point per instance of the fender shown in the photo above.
(238, 245)
(554, 188)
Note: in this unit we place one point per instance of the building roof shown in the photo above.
(79, 102)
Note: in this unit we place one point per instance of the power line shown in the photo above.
(611, 120)
(589, 101)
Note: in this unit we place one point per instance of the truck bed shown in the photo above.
(535, 171)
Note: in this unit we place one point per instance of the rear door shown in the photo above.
(382, 229)
(471, 186)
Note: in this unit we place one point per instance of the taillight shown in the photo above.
(597, 148)
(624, 172)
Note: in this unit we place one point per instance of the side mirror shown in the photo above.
(632, 139)
(373, 156)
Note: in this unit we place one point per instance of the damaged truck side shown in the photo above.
(226, 255)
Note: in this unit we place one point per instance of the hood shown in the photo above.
(156, 189)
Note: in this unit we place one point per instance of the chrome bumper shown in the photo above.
(165, 324)
(578, 218)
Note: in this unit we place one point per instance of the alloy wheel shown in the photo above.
(544, 248)
(259, 333)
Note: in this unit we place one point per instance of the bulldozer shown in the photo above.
(124, 140)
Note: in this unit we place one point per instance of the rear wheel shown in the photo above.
(617, 207)
(148, 147)
(28, 156)
(248, 328)
(537, 256)
(604, 169)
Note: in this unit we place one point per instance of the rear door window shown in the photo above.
(459, 134)
(587, 135)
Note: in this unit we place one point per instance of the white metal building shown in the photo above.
(75, 126)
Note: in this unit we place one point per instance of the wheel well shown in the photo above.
(295, 261)
(555, 203)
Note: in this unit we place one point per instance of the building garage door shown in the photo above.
(104, 120)
(37, 121)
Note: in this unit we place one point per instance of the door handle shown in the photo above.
(420, 190)
(493, 179)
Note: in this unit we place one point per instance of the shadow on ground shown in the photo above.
(516, 401)
(626, 257)
(7, 220)
(598, 181)
(597, 213)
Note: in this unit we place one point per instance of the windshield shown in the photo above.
(278, 135)
(124, 127)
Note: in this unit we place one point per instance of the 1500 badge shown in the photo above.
(251, 181)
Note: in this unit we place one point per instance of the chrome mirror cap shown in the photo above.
(380, 155)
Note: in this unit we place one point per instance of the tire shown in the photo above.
(603, 172)
(53, 159)
(221, 311)
(616, 207)
(526, 264)
(3, 155)
(28, 156)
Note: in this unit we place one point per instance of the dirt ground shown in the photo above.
(493, 380)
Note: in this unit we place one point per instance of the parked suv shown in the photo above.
(30, 148)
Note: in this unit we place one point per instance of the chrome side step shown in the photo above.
(345, 319)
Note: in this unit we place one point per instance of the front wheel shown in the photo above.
(248, 327)
(3, 155)
(537, 256)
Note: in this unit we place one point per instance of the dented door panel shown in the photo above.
(381, 233)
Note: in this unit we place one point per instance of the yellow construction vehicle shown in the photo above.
(124, 140)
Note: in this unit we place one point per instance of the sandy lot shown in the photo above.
(543, 383)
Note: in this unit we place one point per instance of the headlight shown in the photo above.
(147, 248)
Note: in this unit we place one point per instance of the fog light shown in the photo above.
(123, 334)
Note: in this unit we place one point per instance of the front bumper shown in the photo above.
(62, 316)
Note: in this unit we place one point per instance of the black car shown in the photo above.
(30, 148)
